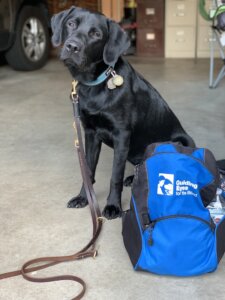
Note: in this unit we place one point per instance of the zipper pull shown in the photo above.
(150, 239)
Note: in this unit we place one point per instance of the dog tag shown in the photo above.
(117, 80)
(110, 84)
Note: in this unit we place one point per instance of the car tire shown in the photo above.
(31, 45)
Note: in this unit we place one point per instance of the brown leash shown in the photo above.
(89, 250)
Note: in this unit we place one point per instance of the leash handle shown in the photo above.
(97, 219)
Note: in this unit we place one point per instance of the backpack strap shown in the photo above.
(140, 191)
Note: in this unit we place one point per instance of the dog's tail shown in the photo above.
(184, 139)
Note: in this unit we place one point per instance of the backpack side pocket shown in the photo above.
(220, 239)
(131, 236)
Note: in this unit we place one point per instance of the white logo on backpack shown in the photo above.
(165, 184)
(182, 187)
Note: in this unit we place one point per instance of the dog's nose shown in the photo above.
(73, 46)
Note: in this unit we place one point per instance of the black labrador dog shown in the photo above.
(117, 105)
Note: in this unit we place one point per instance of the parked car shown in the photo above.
(24, 33)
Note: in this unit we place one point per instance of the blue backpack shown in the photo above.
(168, 229)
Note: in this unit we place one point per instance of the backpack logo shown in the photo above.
(165, 184)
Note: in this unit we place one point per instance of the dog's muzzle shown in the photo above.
(73, 46)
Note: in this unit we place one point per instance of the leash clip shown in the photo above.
(74, 89)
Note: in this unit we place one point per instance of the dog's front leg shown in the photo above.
(121, 144)
(92, 151)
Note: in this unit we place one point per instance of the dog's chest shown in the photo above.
(99, 113)
(96, 120)
(100, 122)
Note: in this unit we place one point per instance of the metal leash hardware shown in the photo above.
(75, 101)
(89, 250)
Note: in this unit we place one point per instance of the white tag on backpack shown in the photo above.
(222, 39)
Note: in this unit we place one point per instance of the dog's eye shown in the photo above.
(94, 34)
(97, 33)
(72, 24)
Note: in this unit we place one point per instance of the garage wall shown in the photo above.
(113, 9)
(187, 34)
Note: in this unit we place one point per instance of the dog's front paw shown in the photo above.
(77, 202)
(111, 212)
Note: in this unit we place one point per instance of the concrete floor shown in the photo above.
(39, 174)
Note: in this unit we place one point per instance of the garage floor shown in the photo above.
(39, 174)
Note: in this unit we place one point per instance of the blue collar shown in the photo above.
(102, 77)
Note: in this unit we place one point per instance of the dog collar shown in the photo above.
(101, 78)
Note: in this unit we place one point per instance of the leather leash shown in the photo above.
(89, 250)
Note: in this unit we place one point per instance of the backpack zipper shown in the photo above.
(211, 224)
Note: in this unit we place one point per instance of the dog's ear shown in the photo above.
(57, 25)
(118, 42)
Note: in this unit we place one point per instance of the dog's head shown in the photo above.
(87, 37)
